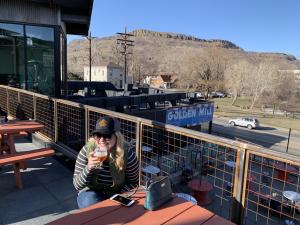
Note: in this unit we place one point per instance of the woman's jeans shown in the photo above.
(88, 197)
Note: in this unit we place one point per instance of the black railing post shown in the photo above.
(288, 141)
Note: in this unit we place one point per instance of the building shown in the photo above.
(33, 41)
(164, 80)
(108, 72)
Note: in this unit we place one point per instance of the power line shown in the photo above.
(125, 44)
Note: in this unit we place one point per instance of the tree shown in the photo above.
(287, 78)
(262, 80)
(74, 76)
(236, 76)
(205, 72)
(286, 96)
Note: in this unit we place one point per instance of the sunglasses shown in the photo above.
(105, 136)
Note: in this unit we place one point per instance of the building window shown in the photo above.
(12, 63)
(33, 70)
(121, 83)
(40, 59)
(102, 72)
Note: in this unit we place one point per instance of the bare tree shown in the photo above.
(116, 55)
(286, 96)
(279, 93)
(205, 72)
(236, 78)
(262, 80)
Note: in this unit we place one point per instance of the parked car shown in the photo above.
(217, 94)
(199, 95)
(250, 123)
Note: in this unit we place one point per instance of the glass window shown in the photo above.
(12, 69)
(40, 59)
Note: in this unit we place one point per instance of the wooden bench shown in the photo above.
(17, 158)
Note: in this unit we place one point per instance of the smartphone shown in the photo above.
(122, 200)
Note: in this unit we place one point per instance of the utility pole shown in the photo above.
(125, 43)
(90, 42)
(89, 37)
(139, 75)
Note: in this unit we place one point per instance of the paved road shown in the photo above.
(268, 137)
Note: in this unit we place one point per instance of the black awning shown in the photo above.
(75, 13)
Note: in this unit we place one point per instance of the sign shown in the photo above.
(190, 115)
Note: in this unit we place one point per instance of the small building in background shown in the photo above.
(162, 80)
(107, 72)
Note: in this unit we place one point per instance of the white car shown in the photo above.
(250, 123)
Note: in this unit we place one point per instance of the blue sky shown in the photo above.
(254, 25)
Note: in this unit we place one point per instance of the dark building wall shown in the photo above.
(25, 11)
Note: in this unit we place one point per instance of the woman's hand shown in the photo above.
(92, 161)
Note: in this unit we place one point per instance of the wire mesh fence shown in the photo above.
(272, 191)
(13, 101)
(3, 99)
(196, 167)
(27, 104)
(71, 125)
(44, 113)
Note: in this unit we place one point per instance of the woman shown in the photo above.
(97, 181)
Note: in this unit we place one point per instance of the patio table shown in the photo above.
(11, 129)
(201, 189)
(177, 211)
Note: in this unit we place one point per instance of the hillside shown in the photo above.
(164, 52)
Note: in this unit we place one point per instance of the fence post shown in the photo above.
(19, 98)
(87, 124)
(288, 142)
(238, 193)
(7, 101)
(34, 106)
(138, 144)
(55, 122)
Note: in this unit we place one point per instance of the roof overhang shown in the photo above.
(75, 13)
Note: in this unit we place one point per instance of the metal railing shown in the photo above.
(239, 181)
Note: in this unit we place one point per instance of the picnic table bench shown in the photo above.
(17, 158)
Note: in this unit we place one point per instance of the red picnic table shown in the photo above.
(8, 131)
(177, 211)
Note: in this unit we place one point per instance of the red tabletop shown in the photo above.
(178, 211)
